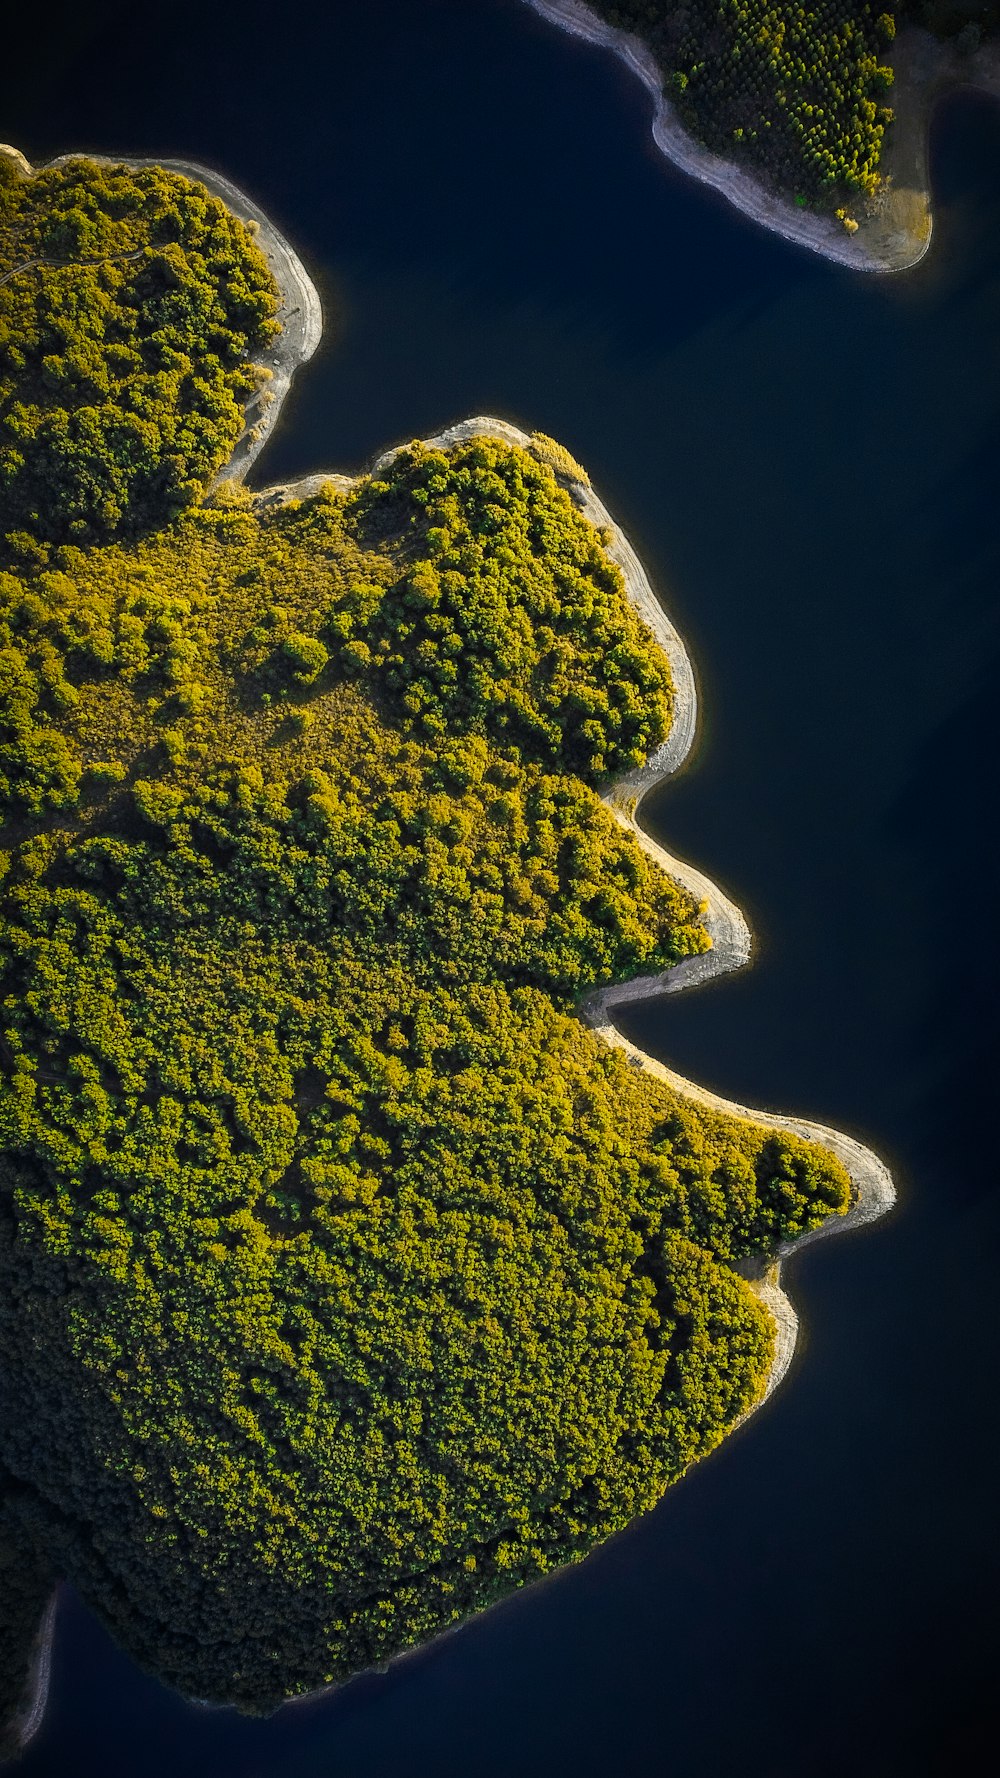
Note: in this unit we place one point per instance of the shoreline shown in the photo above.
(28, 1718)
(895, 228)
(873, 1191)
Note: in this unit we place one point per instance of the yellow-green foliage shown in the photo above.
(347, 1280)
(129, 305)
(798, 89)
(559, 459)
(511, 618)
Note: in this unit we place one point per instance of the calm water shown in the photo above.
(810, 466)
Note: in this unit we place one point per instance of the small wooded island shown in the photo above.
(348, 1280)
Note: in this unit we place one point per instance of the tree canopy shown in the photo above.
(800, 90)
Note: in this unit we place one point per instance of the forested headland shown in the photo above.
(799, 90)
(347, 1280)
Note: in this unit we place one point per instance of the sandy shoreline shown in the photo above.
(871, 1182)
(28, 1719)
(822, 234)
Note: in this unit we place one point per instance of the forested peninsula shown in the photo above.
(348, 1278)
(811, 116)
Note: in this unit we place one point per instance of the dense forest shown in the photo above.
(799, 89)
(130, 304)
(347, 1280)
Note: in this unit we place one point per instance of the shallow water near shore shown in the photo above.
(808, 463)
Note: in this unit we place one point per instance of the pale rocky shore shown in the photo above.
(29, 1720)
(300, 313)
(16, 1731)
(895, 227)
(22, 166)
(873, 1192)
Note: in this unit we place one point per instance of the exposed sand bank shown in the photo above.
(28, 1719)
(300, 313)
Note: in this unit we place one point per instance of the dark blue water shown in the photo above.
(810, 466)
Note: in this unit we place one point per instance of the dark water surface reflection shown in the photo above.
(809, 464)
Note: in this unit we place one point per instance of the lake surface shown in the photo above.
(809, 464)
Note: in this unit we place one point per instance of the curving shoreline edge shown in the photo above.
(822, 234)
(40, 1674)
(24, 1725)
(895, 228)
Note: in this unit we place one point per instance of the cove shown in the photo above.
(807, 464)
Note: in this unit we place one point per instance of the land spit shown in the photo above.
(300, 311)
(895, 226)
(28, 1719)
